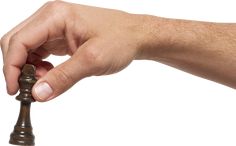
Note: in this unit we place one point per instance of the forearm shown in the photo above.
(203, 49)
(104, 41)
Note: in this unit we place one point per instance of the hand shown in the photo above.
(99, 41)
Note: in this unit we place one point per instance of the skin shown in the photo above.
(104, 41)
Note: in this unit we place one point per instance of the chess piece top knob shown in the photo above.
(26, 81)
(28, 69)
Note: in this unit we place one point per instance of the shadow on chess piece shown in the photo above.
(23, 131)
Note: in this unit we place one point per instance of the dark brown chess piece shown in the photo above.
(22, 134)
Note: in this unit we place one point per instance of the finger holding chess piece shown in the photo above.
(23, 131)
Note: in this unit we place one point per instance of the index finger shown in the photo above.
(44, 27)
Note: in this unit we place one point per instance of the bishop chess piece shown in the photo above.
(23, 132)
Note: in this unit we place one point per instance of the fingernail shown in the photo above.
(43, 91)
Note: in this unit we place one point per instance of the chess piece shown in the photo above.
(22, 133)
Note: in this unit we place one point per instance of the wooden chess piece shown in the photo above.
(22, 133)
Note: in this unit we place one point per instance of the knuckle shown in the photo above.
(14, 38)
(58, 9)
(99, 63)
(4, 41)
(90, 56)
(93, 59)
(62, 76)
(56, 6)
(53, 4)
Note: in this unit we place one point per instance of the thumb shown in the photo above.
(58, 80)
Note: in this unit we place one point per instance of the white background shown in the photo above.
(147, 104)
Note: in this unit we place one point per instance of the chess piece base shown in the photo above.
(22, 133)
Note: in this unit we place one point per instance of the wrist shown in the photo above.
(165, 39)
(155, 35)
